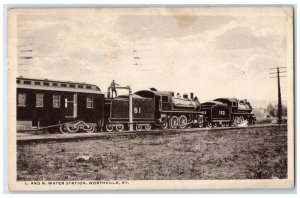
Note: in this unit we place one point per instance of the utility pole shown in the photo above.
(278, 73)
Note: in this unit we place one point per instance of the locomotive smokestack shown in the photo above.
(192, 95)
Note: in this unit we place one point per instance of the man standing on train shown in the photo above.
(113, 88)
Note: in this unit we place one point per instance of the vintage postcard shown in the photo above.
(150, 98)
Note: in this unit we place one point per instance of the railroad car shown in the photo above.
(173, 112)
(117, 113)
(69, 106)
(227, 112)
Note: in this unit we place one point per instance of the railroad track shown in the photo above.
(34, 137)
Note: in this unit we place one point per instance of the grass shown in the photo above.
(258, 153)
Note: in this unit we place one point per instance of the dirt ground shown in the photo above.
(257, 153)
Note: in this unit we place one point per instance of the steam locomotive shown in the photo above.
(227, 112)
(44, 104)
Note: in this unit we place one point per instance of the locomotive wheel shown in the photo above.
(63, 129)
(174, 122)
(164, 125)
(223, 124)
(209, 125)
(182, 122)
(242, 119)
(138, 127)
(148, 127)
(200, 125)
(109, 127)
(92, 129)
(120, 127)
(72, 129)
(236, 121)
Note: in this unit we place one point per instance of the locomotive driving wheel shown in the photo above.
(182, 122)
(164, 125)
(238, 120)
(174, 122)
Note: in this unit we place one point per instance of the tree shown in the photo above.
(271, 110)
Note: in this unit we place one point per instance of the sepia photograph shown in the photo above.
(150, 98)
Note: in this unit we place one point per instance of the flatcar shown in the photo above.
(227, 112)
(69, 106)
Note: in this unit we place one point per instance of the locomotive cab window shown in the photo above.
(56, 101)
(234, 104)
(39, 100)
(21, 100)
(89, 102)
(165, 99)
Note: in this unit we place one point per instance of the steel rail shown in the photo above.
(27, 138)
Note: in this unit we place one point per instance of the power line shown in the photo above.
(276, 68)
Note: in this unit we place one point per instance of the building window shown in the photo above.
(56, 101)
(21, 100)
(89, 102)
(39, 100)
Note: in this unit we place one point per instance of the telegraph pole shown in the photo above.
(278, 73)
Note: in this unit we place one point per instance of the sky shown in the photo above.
(210, 55)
